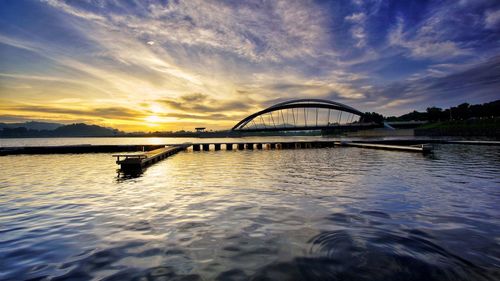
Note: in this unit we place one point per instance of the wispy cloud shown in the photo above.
(479, 82)
(425, 42)
(201, 103)
(492, 19)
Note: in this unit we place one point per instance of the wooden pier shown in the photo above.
(138, 161)
(422, 148)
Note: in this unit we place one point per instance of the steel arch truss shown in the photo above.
(301, 114)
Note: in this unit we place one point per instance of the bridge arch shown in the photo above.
(297, 112)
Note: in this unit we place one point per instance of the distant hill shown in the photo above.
(84, 130)
(32, 125)
(74, 130)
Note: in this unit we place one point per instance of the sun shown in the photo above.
(153, 120)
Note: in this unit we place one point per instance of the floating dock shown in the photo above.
(138, 161)
(422, 148)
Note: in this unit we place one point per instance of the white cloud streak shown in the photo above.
(427, 43)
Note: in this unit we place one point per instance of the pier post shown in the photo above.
(217, 146)
(196, 147)
(298, 145)
(229, 146)
(241, 146)
(259, 146)
(206, 146)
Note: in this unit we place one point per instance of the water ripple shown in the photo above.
(315, 214)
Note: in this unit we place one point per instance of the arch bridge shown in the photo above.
(304, 114)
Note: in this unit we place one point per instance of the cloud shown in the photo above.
(492, 19)
(256, 31)
(213, 116)
(479, 82)
(356, 17)
(17, 43)
(358, 30)
(425, 44)
(79, 112)
(201, 103)
(74, 11)
(317, 89)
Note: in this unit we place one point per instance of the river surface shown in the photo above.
(15, 142)
(312, 214)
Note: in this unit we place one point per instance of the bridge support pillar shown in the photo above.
(259, 146)
(206, 146)
(241, 146)
(196, 147)
(229, 146)
(217, 146)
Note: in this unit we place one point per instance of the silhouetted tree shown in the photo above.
(434, 114)
(462, 112)
(373, 117)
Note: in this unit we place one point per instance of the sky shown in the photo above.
(175, 65)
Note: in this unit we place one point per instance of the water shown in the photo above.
(14, 142)
(315, 214)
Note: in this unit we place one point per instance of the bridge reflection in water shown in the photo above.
(304, 114)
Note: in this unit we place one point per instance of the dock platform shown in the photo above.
(138, 161)
(422, 148)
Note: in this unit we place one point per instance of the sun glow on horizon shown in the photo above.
(153, 121)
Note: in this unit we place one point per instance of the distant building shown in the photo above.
(200, 129)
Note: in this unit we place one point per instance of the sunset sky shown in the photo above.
(172, 65)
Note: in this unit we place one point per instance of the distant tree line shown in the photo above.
(463, 111)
